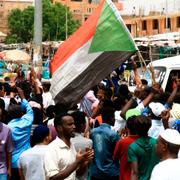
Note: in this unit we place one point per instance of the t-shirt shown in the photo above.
(166, 170)
(104, 141)
(143, 152)
(120, 153)
(82, 143)
(57, 157)
(21, 131)
(120, 123)
(32, 163)
(156, 128)
(6, 146)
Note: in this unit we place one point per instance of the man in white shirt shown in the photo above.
(31, 161)
(157, 124)
(167, 149)
(61, 159)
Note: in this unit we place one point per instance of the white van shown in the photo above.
(165, 69)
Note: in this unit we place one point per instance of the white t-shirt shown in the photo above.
(32, 163)
(6, 101)
(166, 170)
(156, 128)
(58, 156)
(47, 99)
(120, 123)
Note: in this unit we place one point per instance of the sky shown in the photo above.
(145, 6)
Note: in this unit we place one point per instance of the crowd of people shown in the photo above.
(109, 135)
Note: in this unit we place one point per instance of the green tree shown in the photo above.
(21, 23)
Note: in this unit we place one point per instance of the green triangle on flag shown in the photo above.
(111, 33)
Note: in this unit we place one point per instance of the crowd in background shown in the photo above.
(111, 134)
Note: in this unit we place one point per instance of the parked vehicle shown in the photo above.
(166, 71)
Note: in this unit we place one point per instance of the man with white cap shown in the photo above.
(156, 109)
(167, 148)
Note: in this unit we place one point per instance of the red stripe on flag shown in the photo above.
(74, 42)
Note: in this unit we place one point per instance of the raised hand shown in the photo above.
(165, 118)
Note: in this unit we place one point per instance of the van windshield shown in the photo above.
(159, 75)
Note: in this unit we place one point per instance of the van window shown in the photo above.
(159, 75)
(171, 83)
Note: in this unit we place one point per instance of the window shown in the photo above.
(159, 75)
(167, 23)
(89, 10)
(155, 24)
(178, 22)
(144, 25)
(129, 27)
(174, 74)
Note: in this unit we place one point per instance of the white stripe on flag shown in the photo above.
(71, 69)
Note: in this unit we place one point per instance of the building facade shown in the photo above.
(82, 9)
(153, 24)
(156, 22)
(5, 8)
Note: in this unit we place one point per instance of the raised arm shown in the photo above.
(155, 89)
(152, 74)
(24, 103)
(165, 118)
(136, 74)
(126, 107)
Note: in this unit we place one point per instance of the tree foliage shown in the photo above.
(21, 23)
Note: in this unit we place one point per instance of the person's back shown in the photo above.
(121, 150)
(46, 95)
(31, 161)
(21, 129)
(20, 126)
(157, 126)
(141, 153)
(79, 141)
(104, 140)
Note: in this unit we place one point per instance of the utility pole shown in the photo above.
(37, 58)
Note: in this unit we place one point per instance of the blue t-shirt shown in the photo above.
(21, 131)
(104, 141)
